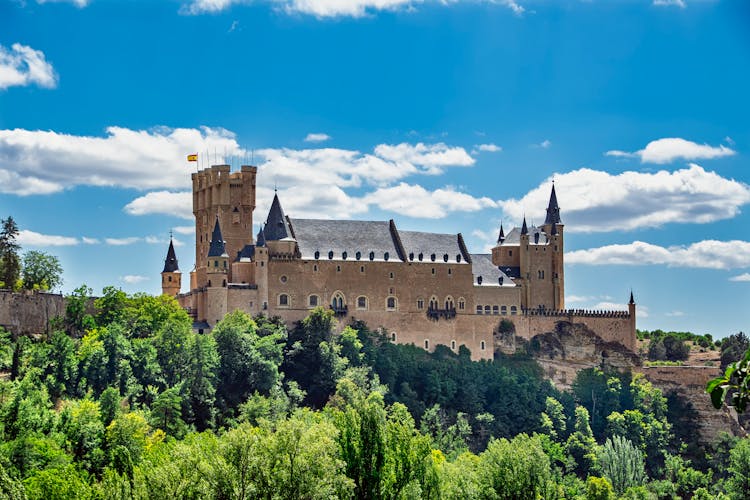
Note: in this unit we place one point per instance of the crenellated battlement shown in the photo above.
(576, 313)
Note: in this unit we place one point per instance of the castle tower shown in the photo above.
(278, 234)
(261, 269)
(171, 277)
(524, 265)
(217, 261)
(553, 227)
(230, 197)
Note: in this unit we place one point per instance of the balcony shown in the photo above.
(437, 314)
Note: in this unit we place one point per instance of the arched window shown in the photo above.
(504, 310)
(445, 257)
(486, 309)
(458, 257)
(317, 254)
(372, 255)
(338, 301)
(420, 303)
(432, 257)
(449, 304)
(344, 255)
(391, 303)
(495, 310)
(411, 255)
(312, 301)
(453, 345)
(283, 300)
(393, 336)
(461, 304)
(513, 310)
(362, 302)
(479, 309)
(433, 303)
(421, 256)
(426, 344)
(386, 256)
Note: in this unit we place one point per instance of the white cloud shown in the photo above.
(707, 254)
(545, 144)
(670, 3)
(597, 201)
(43, 162)
(163, 202)
(78, 3)
(184, 229)
(335, 8)
(132, 279)
(121, 241)
(431, 157)
(486, 148)
(674, 314)
(34, 239)
(90, 241)
(311, 137)
(416, 201)
(21, 65)
(742, 277)
(670, 149)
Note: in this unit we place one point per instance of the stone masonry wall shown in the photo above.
(29, 313)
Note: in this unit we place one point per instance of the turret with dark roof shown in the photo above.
(217, 248)
(260, 240)
(277, 226)
(524, 227)
(501, 236)
(553, 209)
(170, 263)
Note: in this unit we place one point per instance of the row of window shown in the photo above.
(338, 302)
(386, 256)
(362, 270)
(482, 344)
(502, 310)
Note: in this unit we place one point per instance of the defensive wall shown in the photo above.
(29, 312)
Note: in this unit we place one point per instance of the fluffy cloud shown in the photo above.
(163, 202)
(673, 148)
(334, 8)
(42, 162)
(595, 201)
(34, 239)
(133, 279)
(741, 277)
(311, 137)
(430, 157)
(708, 254)
(184, 229)
(486, 148)
(670, 3)
(78, 3)
(416, 201)
(21, 65)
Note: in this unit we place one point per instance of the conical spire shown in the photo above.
(170, 263)
(631, 298)
(524, 228)
(277, 227)
(553, 209)
(217, 249)
(501, 236)
(260, 240)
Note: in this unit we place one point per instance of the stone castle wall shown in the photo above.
(29, 313)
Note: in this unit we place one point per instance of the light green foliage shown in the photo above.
(58, 364)
(110, 405)
(685, 478)
(77, 319)
(29, 409)
(621, 463)
(553, 418)
(145, 315)
(513, 470)
(451, 439)
(62, 483)
(738, 484)
(41, 271)
(598, 488)
(581, 444)
(459, 479)
(10, 488)
(82, 425)
(351, 346)
(128, 433)
(110, 306)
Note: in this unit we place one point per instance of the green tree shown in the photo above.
(61, 483)
(10, 489)
(41, 271)
(598, 488)
(200, 383)
(738, 483)
(581, 444)
(110, 306)
(10, 263)
(516, 469)
(621, 463)
(77, 318)
(166, 413)
(82, 425)
(110, 404)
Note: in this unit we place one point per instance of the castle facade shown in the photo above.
(421, 288)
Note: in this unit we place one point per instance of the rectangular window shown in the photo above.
(420, 304)
(479, 309)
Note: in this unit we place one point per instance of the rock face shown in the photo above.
(689, 382)
(29, 313)
(572, 347)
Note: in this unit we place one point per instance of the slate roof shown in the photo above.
(339, 236)
(246, 254)
(514, 236)
(428, 244)
(553, 209)
(481, 265)
(277, 224)
(170, 263)
(217, 248)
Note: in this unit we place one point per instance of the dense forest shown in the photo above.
(123, 400)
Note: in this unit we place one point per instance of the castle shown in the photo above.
(421, 288)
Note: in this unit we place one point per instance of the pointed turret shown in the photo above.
(501, 236)
(260, 240)
(277, 227)
(170, 263)
(631, 298)
(553, 209)
(524, 228)
(217, 248)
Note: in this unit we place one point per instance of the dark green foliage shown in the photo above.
(77, 319)
(41, 271)
(166, 413)
(10, 263)
(733, 348)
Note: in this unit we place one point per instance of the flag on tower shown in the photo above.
(193, 157)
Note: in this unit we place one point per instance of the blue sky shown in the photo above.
(447, 116)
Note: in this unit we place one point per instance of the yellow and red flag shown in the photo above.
(193, 157)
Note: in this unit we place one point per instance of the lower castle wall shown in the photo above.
(29, 313)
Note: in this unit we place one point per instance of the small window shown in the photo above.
(169, 278)
(461, 304)
(481, 345)
(216, 263)
(386, 256)
(458, 257)
(411, 256)
(427, 344)
(372, 255)
(390, 304)
(450, 271)
(479, 309)
(393, 336)
(223, 282)
(421, 256)
(432, 257)
(225, 264)
(513, 310)
(445, 257)
(338, 269)
(510, 253)
(361, 269)
(495, 310)
(391, 275)
(344, 255)
(317, 254)
(330, 255)
(433, 270)
(283, 278)
(390, 291)
(362, 302)
(315, 268)
(358, 255)
(312, 301)
(479, 280)
(486, 309)
(283, 299)
(504, 310)
(420, 303)
(453, 345)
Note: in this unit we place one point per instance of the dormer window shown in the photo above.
(317, 254)
(386, 256)
(372, 255)
(411, 256)
(330, 255)
(344, 255)
(479, 280)
(358, 255)
(432, 257)
(421, 256)
(445, 257)
(458, 257)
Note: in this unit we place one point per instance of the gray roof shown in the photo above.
(427, 244)
(170, 263)
(514, 236)
(216, 248)
(246, 254)
(276, 227)
(481, 265)
(339, 236)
